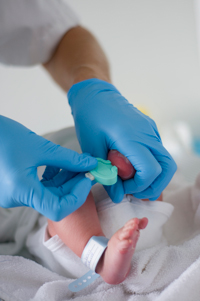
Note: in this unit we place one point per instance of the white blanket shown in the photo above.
(159, 273)
(165, 272)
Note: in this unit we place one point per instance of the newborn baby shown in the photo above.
(121, 223)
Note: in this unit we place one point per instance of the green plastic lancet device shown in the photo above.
(105, 173)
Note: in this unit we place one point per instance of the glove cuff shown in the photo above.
(83, 88)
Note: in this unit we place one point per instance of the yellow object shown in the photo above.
(144, 110)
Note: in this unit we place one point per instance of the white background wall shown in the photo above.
(152, 49)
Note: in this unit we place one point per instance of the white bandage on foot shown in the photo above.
(93, 251)
(90, 257)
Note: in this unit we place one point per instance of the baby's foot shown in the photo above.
(125, 168)
(115, 264)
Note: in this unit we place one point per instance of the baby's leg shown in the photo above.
(76, 229)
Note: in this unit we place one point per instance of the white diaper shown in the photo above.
(113, 216)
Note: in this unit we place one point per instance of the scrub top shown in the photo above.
(30, 30)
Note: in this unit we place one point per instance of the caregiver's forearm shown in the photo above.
(78, 57)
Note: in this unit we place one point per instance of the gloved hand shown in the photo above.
(21, 152)
(59, 181)
(105, 120)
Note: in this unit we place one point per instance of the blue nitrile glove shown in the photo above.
(21, 152)
(60, 181)
(105, 120)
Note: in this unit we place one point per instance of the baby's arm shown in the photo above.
(76, 229)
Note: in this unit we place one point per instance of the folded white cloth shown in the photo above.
(15, 224)
(114, 216)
